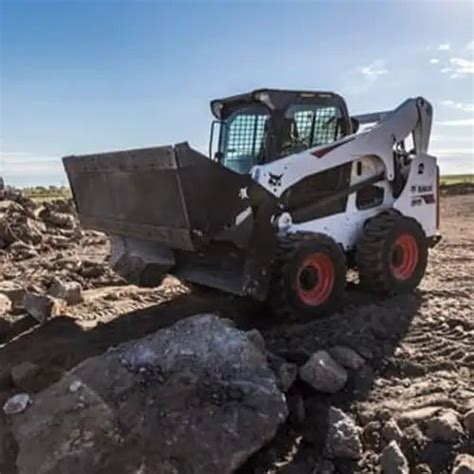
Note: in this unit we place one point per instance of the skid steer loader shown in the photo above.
(294, 192)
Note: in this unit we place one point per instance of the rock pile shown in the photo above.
(27, 227)
(45, 256)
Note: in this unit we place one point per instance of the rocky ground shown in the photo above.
(386, 385)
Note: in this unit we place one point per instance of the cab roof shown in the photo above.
(273, 99)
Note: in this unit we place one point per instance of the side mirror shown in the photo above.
(218, 156)
(211, 138)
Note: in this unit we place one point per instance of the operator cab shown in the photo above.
(268, 124)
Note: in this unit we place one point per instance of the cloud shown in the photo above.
(444, 47)
(470, 46)
(460, 67)
(360, 79)
(465, 107)
(457, 123)
(434, 60)
(373, 71)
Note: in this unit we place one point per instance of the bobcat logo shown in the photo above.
(243, 193)
(275, 179)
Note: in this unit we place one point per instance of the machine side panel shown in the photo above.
(420, 195)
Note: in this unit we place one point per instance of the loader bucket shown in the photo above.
(171, 195)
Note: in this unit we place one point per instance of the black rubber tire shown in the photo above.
(375, 253)
(293, 251)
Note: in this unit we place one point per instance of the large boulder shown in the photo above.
(195, 398)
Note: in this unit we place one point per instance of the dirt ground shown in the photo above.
(420, 347)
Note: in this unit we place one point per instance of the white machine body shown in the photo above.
(372, 154)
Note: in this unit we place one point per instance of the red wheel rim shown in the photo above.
(404, 256)
(315, 279)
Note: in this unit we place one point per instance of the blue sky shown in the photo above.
(96, 75)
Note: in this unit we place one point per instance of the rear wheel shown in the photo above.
(392, 254)
(309, 276)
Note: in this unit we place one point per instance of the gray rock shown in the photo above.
(24, 375)
(59, 241)
(22, 250)
(391, 431)
(141, 262)
(5, 379)
(255, 336)
(422, 469)
(91, 269)
(197, 398)
(383, 414)
(58, 219)
(5, 304)
(323, 373)
(445, 426)
(347, 357)
(71, 291)
(14, 292)
(342, 439)
(468, 422)
(286, 372)
(287, 375)
(463, 464)
(365, 352)
(17, 404)
(325, 467)
(393, 460)
(42, 307)
(297, 411)
(17, 226)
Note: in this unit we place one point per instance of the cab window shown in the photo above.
(243, 138)
(307, 126)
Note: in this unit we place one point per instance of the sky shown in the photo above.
(81, 76)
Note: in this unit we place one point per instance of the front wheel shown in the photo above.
(309, 276)
(392, 254)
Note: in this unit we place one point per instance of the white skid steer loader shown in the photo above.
(294, 195)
